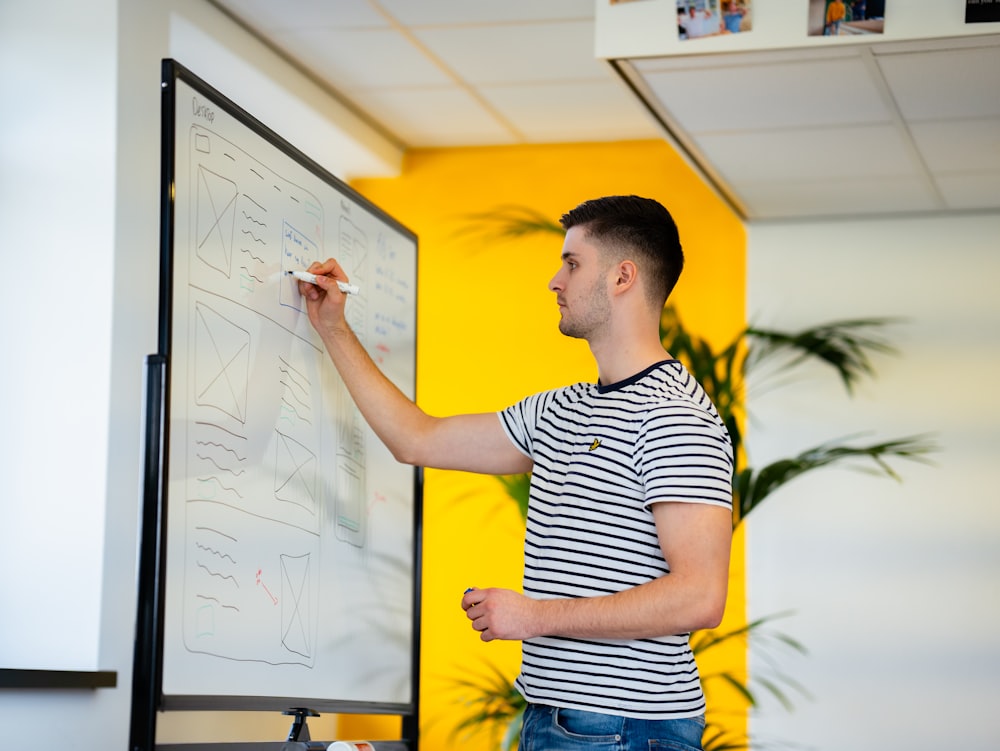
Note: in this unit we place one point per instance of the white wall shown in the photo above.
(893, 585)
(79, 216)
(56, 231)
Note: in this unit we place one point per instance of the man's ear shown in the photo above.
(627, 275)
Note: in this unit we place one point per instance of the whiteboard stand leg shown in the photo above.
(300, 730)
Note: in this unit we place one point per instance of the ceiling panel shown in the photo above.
(435, 117)
(970, 191)
(600, 111)
(832, 197)
(752, 97)
(946, 84)
(517, 53)
(362, 58)
(268, 16)
(959, 146)
(861, 151)
(827, 130)
(485, 12)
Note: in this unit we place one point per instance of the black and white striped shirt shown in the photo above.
(602, 455)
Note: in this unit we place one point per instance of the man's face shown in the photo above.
(581, 288)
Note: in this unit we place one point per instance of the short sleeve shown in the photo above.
(520, 421)
(684, 454)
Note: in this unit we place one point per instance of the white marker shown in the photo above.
(305, 276)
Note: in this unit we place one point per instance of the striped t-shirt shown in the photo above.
(602, 455)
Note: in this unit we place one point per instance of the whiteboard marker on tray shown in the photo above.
(347, 289)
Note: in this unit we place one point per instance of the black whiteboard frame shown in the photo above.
(147, 692)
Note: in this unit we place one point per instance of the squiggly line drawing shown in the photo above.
(256, 258)
(205, 480)
(213, 551)
(218, 466)
(247, 216)
(253, 236)
(218, 575)
(223, 447)
(252, 275)
(295, 396)
(218, 602)
(291, 408)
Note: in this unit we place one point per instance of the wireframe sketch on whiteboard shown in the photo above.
(291, 532)
(243, 600)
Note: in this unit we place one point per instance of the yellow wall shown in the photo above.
(487, 336)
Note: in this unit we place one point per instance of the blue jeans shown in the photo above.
(554, 729)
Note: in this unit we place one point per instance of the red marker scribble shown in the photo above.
(260, 583)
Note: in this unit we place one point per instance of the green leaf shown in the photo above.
(518, 488)
(508, 222)
(493, 703)
(769, 677)
(716, 739)
(751, 488)
(845, 345)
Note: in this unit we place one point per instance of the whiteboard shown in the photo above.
(291, 532)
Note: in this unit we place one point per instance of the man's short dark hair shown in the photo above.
(624, 225)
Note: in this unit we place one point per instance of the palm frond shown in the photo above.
(759, 631)
(845, 345)
(508, 222)
(716, 739)
(493, 702)
(512, 736)
(752, 487)
(702, 641)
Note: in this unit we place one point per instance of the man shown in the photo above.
(835, 13)
(629, 522)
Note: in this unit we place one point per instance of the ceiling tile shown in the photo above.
(971, 191)
(268, 15)
(513, 53)
(736, 60)
(822, 92)
(959, 145)
(449, 12)
(819, 198)
(599, 111)
(803, 155)
(945, 84)
(433, 117)
(362, 58)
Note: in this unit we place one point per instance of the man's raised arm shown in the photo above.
(474, 443)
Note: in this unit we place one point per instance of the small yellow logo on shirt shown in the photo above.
(595, 444)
